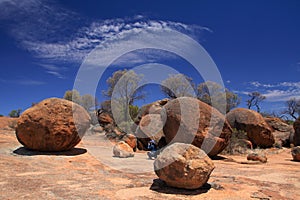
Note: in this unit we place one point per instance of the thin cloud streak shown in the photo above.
(47, 20)
(277, 92)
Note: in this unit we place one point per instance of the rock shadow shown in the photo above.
(161, 187)
(27, 152)
(218, 157)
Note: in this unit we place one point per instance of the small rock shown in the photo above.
(122, 150)
(183, 166)
(257, 157)
(296, 153)
(131, 140)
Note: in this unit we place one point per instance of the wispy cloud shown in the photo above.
(99, 33)
(277, 92)
(29, 82)
(57, 74)
(54, 70)
(25, 82)
(48, 31)
(258, 84)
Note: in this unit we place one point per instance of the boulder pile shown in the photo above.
(258, 130)
(283, 132)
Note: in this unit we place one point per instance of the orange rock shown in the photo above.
(189, 120)
(122, 150)
(104, 118)
(152, 108)
(52, 125)
(283, 132)
(257, 157)
(131, 140)
(149, 128)
(257, 129)
(296, 140)
(183, 166)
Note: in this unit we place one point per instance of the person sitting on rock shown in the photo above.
(152, 147)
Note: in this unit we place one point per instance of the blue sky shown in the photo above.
(255, 44)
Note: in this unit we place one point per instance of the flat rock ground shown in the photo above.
(90, 172)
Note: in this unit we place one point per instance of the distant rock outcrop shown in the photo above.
(52, 125)
(283, 132)
(183, 166)
(122, 150)
(8, 123)
(189, 120)
(296, 140)
(258, 130)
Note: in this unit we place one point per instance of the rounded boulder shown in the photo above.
(52, 125)
(258, 130)
(296, 139)
(183, 166)
(190, 121)
(149, 128)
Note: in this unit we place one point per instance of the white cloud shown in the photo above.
(96, 34)
(282, 84)
(47, 30)
(57, 74)
(29, 82)
(281, 95)
(258, 84)
(240, 92)
(22, 81)
(53, 69)
(277, 92)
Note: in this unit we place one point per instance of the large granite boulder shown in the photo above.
(282, 133)
(150, 128)
(52, 125)
(122, 150)
(152, 108)
(188, 120)
(296, 140)
(104, 118)
(258, 130)
(183, 166)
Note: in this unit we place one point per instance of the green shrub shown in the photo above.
(15, 113)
